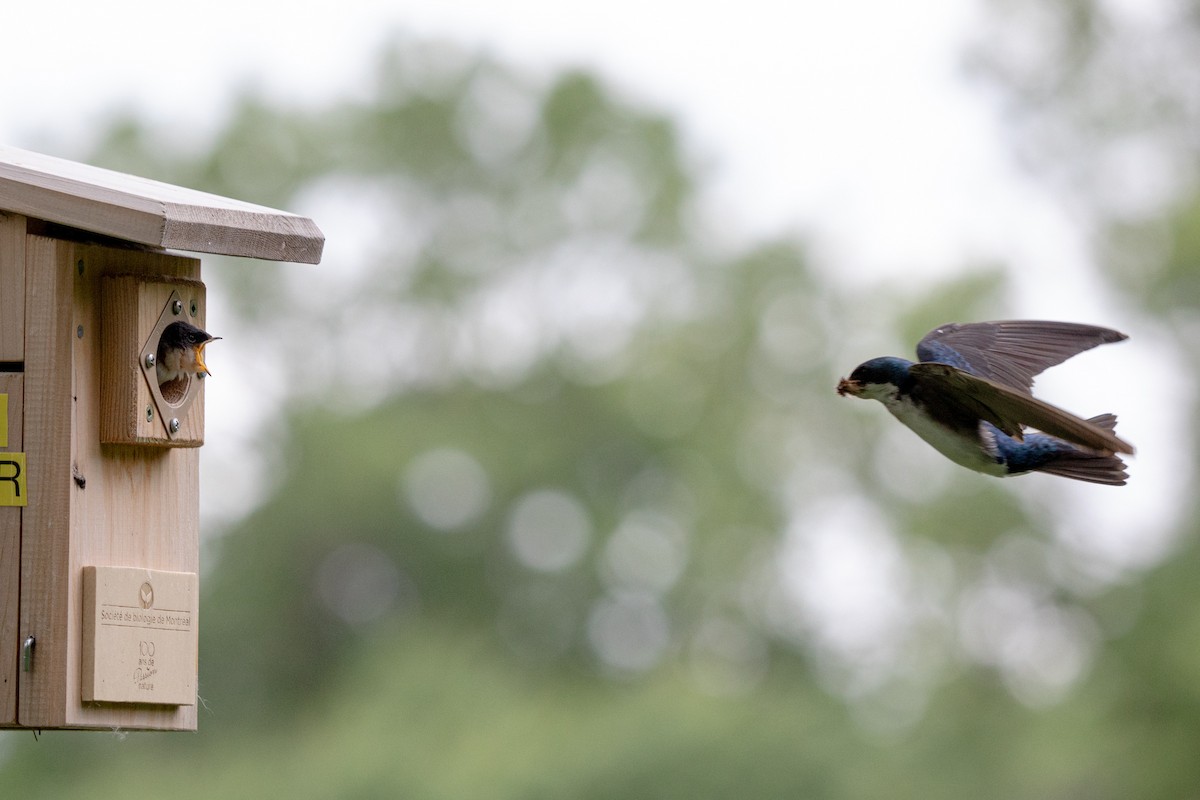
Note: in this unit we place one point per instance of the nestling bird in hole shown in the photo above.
(970, 396)
(181, 352)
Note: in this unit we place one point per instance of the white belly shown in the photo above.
(968, 452)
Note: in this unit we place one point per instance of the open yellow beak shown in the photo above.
(200, 365)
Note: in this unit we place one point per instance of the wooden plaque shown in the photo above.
(139, 636)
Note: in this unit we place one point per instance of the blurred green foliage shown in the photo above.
(557, 478)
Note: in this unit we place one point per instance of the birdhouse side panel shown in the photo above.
(12, 357)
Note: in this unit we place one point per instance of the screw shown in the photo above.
(79, 331)
(149, 360)
(79, 266)
(174, 425)
(177, 307)
(195, 307)
(149, 413)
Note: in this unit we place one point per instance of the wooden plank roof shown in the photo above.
(150, 212)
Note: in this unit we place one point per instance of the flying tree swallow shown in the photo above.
(181, 352)
(970, 396)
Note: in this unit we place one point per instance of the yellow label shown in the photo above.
(12, 479)
(3, 420)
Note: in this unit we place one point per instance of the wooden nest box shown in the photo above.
(99, 478)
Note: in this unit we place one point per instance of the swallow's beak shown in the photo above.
(200, 365)
(849, 387)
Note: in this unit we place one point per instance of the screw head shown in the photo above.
(174, 425)
(150, 360)
(176, 307)
(194, 307)
(149, 413)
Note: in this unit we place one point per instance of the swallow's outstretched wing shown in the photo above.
(964, 395)
(1011, 352)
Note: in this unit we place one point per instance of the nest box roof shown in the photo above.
(149, 212)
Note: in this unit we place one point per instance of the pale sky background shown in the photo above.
(849, 123)
(819, 114)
